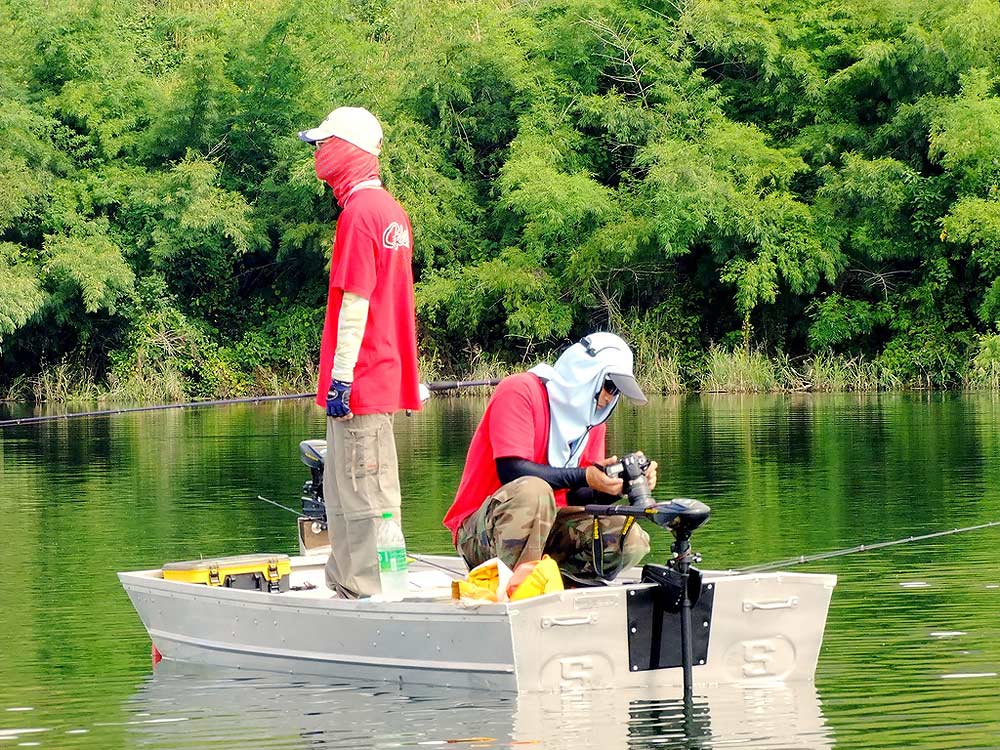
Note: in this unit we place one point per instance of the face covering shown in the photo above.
(343, 166)
(573, 385)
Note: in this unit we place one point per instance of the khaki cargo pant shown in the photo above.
(519, 523)
(360, 481)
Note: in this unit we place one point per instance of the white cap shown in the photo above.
(353, 124)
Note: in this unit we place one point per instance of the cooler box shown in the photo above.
(256, 572)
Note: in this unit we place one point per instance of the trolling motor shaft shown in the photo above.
(679, 581)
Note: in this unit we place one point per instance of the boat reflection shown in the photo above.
(772, 715)
(182, 705)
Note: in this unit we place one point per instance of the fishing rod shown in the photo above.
(418, 558)
(433, 387)
(449, 385)
(763, 568)
(279, 505)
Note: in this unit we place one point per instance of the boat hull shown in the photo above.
(764, 627)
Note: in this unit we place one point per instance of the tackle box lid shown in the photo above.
(232, 565)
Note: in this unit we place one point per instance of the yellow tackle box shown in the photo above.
(255, 572)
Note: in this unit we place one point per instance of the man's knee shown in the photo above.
(635, 547)
(531, 495)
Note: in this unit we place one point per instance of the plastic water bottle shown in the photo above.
(391, 548)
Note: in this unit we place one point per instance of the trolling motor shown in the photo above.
(679, 581)
(678, 587)
(312, 522)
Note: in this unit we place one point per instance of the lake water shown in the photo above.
(912, 648)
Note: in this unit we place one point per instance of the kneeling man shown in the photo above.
(539, 449)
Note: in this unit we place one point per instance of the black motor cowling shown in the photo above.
(313, 455)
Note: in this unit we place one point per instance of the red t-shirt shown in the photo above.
(372, 257)
(515, 425)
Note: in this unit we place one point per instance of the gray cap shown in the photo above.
(627, 385)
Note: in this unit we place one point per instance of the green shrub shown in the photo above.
(985, 370)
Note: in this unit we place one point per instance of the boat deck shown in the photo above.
(429, 578)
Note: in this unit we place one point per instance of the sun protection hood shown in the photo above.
(573, 385)
(345, 167)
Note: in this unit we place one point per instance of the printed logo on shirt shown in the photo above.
(395, 236)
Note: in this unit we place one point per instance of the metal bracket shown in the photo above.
(654, 632)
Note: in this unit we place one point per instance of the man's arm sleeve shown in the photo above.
(350, 331)
(509, 469)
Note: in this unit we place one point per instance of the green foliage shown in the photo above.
(166, 356)
(281, 350)
(20, 291)
(976, 222)
(443, 207)
(814, 180)
(985, 371)
(838, 320)
(508, 296)
(926, 355)
(90, 263)
(965, 137)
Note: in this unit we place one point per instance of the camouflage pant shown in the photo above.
(519, 522)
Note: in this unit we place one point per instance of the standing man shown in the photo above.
(540, 447)
(368, 358)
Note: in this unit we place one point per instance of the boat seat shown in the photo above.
(313, 453)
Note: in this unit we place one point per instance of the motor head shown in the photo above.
(681, 516)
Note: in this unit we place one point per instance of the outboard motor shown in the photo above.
(313, 455)
(313, 537)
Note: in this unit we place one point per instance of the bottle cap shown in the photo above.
(387, 514)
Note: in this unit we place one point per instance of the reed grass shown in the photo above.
(270, 381)
(657, 368)
(742, 370)
(146, 385)
(832, 373)
(18, 389)
(480, 366)
(65, 381)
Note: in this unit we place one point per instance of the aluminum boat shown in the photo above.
(655, 627)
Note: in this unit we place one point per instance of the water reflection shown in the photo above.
(902, 665)
(187, 706)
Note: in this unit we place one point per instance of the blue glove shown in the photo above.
(338, 399)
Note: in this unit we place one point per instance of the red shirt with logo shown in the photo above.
(515, 425)
(372, 258)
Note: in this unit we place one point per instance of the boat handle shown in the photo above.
(789, 603)
(551, 622)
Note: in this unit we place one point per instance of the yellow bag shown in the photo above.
(487, 581)
(534, 579)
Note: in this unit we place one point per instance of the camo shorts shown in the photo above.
(520, 522)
